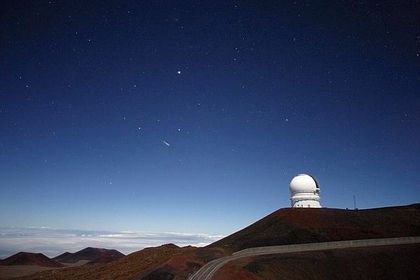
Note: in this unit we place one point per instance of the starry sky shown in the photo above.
(193, 116)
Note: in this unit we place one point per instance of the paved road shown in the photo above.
(207, 271)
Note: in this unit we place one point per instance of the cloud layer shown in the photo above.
(53, 242)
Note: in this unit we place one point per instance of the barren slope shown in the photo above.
(388, 262)
(289, 226)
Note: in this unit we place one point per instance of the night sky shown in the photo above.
(193, 116)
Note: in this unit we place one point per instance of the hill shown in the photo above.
(304, 225)
(24, 258)
(291, 226)
(125, 268)
(97, 255)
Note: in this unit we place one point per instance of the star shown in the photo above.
(178, 72)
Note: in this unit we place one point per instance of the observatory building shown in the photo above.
(304, 192)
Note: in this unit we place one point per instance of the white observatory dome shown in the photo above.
(304, 192)
(303, 183)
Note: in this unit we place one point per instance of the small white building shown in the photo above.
(304, 192)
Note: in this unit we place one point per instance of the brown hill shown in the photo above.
(289, 226)
(299, 225)
(387, 262)
(97, 255)
(63, 256)
(126, 268)
(24, 258)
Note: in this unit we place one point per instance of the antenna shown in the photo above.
(354, 202)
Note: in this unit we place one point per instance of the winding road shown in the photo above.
(207, 271)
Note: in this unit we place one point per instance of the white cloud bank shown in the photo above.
(53, 242)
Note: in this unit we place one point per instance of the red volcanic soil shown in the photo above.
(385, 262)
(290, 226)
(24, 258)
(96, 255)
(297, 225)
(181, 266)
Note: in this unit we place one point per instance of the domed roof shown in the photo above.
(303, 183)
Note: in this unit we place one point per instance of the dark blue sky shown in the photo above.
(193, 116)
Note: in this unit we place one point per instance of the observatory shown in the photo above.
(304, 192)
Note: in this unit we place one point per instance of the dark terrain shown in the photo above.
(291, 226)
(388, 262)
(284, 226)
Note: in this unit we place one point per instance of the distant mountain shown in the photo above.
(125, 268)
(24, 258)
(63, 256)
(97, 255)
